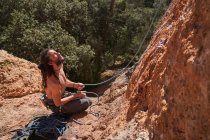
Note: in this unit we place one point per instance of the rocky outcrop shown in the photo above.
(18, 77)
(172, 81)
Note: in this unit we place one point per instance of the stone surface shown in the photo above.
(17, 112)
(18, 77)
(172, 80)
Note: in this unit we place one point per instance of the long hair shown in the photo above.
(46, 69)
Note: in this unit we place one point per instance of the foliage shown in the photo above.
(107, 74)
(91, 34)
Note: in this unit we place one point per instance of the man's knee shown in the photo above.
(77, 105)
(89, 101)
(86, 103)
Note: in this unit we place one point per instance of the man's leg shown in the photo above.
(76, 106)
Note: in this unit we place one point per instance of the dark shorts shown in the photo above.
(74, 106)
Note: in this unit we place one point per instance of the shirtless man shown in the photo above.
(55, 82)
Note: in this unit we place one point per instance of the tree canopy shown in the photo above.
(91, 34)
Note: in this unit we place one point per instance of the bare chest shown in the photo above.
(62, 80)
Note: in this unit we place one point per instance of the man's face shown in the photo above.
(55, 57)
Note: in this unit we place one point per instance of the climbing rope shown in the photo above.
(96, 114)
(140, 46)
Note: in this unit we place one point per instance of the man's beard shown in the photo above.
(60, 60)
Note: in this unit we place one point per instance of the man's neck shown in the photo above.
(57, 69)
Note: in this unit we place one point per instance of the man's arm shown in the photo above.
(70, 83)
(56, 96)
(78, 86)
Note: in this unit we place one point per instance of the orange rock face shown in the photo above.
(172, 81)
(18, 77)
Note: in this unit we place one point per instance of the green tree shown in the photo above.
(91, 34)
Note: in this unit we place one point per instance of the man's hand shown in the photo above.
(79, 86)
(81, 94)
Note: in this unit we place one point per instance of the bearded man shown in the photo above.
(55, 83)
